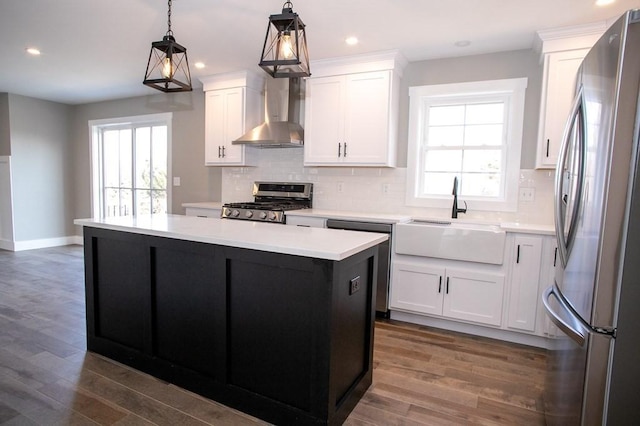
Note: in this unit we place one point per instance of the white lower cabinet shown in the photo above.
(524, 282)
(448, 292)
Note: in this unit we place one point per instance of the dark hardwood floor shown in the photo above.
(422, 376)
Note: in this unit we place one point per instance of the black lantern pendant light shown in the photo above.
(285, 54)
(168, 67)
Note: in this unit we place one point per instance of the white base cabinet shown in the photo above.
(449, 292)
(524, 283)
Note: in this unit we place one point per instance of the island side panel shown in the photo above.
(352, 330)
(278, 334)
(188, 307)
(117, 287)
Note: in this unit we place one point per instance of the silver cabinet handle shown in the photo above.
(339, 149)
(345, 149)
(219, 154)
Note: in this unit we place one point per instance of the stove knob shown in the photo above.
(227, 211)
(272, 216)
(248, 213)
(263, 215)
(235, 213)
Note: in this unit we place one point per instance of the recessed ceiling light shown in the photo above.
(351, 41)
(462, 43)
(604, 2)
(32, 51)
(199, 65)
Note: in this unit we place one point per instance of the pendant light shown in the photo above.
(168, 67)
(285, 54)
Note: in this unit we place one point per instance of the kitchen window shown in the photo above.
(472, 131)
(130, 165)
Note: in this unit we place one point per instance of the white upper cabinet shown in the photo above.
(559, 82)
(233, 105)
(351, 112)
(562, 53)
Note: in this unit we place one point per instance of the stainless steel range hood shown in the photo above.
(281, 129)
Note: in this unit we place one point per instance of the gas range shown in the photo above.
(271, 200)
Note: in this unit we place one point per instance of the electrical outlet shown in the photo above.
(340, 187)
(354, 285)
(527, 194)
(385, 188)
(176, 181)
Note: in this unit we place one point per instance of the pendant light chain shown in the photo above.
(169, 32)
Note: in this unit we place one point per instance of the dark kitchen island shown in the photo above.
(275, 321)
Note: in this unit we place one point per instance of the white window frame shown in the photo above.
(512, 92)
(95, 127)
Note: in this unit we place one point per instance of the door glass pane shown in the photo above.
(159, 157)
(159, 201)
(143, 201)
(111, 202)
(143, 157)
(126, 202)
(125, 158)
(111, 157)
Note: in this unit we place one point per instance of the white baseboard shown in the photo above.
(45, 243)
(476, 330)
(6, 245)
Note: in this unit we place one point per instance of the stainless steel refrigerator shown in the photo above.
(594, 355)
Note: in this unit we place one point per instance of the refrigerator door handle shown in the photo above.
(561, 200)
(575, 331)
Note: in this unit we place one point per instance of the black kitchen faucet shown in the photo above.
(455, 210)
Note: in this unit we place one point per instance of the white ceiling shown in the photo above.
(97, 50)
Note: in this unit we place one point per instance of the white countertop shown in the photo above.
(348, 215)
(216, 205)
(511, 226)
(321, 243)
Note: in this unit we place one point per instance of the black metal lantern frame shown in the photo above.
(168, 66)
(285, 54)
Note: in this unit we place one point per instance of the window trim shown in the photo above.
(95, 126)
(514, 90)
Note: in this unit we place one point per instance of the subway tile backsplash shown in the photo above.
(365, 189)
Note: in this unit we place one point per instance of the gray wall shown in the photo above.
(42, 168)
(5, 139)
(494, 66)
(198, 182)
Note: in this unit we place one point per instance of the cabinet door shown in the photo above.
(558, 91)
(367, 105)
(324, 120)
(234, 125)
(525, 277)
(214, 126)
(225, 121)
(473, 296)
(417, 288)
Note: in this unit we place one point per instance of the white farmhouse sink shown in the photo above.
(451, 240)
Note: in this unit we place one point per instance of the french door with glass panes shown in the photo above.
(134, 170)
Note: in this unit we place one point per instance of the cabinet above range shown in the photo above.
(351, 111)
